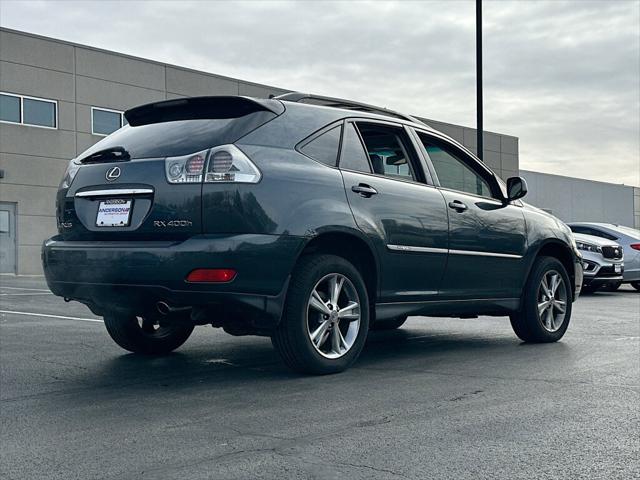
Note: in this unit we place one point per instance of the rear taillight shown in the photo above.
(224, 164)
(228, 163)
(185, 169)
(635, 246)
(211, 275)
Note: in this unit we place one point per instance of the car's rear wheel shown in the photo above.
(390, 324)
(150, 335)
(326, 316)
(546, 310)
(636, 285)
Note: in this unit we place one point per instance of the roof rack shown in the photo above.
(344, 104)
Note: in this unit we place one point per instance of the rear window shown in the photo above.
(170, 139)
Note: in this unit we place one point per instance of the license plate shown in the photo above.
(114, 213)
(617, 268)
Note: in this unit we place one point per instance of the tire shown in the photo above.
(304, 316)
(390, 324)
(636, 285)
(611, 287)
(146, 335)
(531, 326)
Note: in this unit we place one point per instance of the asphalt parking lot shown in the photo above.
(440, 398)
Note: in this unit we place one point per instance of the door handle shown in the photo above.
(458, 206)
(364, 190)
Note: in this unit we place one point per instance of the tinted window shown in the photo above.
(39, 112)
(353, 156)
(632, 232)
(592, 231)
(324, 148)
(453, 173)
(169, 139)
(386, 151)
(10, 108)
(105, 121)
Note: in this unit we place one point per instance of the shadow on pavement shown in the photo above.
(255, 363)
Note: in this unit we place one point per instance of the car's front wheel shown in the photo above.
(636, 285)
(326, 317)
(148, 335)
(547, 300)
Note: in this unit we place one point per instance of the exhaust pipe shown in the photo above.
(165, 309)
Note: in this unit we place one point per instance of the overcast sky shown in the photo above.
(564, 77)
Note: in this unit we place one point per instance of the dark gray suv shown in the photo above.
(307, 219)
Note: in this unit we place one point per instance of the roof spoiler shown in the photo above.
(200, 108)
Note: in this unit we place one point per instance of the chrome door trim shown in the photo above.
(114, 191)
(484, 254)
(410, 248)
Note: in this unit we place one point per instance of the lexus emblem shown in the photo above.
(112, 174)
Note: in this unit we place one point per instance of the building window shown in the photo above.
(10, 108)
(36, 112)
(105, 121)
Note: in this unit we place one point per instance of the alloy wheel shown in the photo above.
(552, 301)
(333, 315)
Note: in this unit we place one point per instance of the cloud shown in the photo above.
(562, 76)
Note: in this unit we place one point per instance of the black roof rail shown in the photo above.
(344, 104)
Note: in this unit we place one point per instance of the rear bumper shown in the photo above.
(134, 276)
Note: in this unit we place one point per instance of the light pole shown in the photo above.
(479, 126)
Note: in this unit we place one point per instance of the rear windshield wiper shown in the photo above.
(113, 154)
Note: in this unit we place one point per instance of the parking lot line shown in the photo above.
(25, 294)
(26, 289)
(46, 315)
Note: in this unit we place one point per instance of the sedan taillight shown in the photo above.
(635, 246)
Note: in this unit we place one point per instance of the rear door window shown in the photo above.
(324, 148)
(387, 150)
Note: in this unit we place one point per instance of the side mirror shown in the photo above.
(516, 188)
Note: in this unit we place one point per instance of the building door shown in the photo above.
(7, 237)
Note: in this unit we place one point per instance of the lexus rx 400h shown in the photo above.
(306, 219)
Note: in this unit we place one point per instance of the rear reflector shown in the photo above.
(635, 246)
(211, 275)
